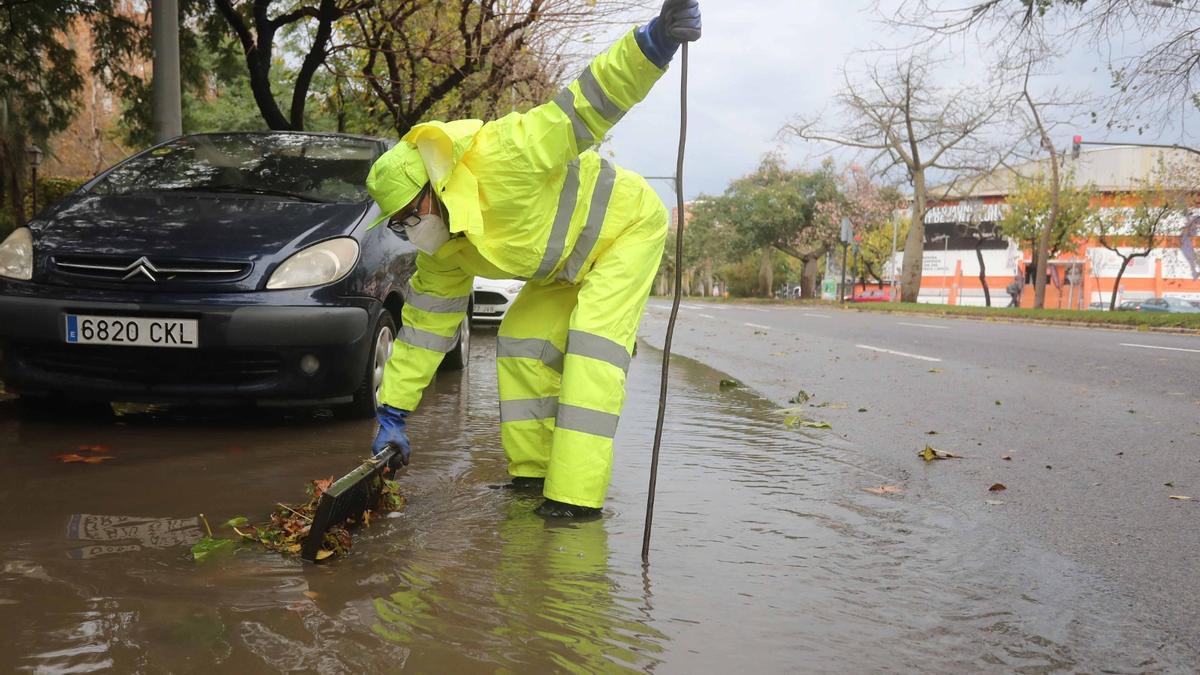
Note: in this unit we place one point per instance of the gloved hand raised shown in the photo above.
(392, 432)
(679, 22)
(676, 23)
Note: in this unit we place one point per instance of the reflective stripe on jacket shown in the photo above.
(526, 194)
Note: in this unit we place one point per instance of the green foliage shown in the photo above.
(50, 190)
(774, 205)
(1029, 211)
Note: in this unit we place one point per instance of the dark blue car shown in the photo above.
(213, 268)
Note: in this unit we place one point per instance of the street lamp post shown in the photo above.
(34, 153)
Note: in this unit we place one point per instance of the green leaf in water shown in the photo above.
(239, 521)
(728, 384)
(209, 548)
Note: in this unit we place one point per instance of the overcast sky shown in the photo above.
(761, 62)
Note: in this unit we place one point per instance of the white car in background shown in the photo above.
(493, 297)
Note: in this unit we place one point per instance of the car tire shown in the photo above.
(460, 356)
(366, 398)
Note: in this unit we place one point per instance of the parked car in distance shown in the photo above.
(213, 268)
(1129, 306)
(1170, 305)
(872, 295)
(493, 297)
(1099, 305)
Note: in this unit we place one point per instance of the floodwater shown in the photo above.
(769, 555)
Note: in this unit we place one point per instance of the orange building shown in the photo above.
(1083, 274)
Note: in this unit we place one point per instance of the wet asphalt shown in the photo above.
(1101, 426)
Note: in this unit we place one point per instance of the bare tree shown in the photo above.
(979, 231)
(1154, 82)
(480, 58)
(906, 123)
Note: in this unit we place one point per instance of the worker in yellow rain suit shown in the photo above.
(523, 197)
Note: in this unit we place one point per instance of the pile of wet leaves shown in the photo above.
(288, 526)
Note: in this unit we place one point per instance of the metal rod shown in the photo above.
(666, 364)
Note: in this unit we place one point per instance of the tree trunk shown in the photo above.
(708, 278)
(914, 244)
(987, 295)
(1112, 302)
(765, 273)
(808, 278)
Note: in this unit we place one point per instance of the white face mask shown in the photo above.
(427, 232)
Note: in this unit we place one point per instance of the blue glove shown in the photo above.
(392, 432)
(677, 22)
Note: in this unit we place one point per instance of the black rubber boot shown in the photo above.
(554, 509)
(523, 484)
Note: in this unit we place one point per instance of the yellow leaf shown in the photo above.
(323, 554)
(1182, 498)
(293, 548)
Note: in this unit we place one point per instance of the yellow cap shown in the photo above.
(396, 179)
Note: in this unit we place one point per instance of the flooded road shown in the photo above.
(769, 554)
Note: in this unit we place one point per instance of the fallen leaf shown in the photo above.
(993, 502)
(800, 398)
(311, 595)
(997, 402)
(935, 370)
(797, 421)
(997, 487)
(239, 521)
(1169, 484)
(1049, 467)
(323, 554)
(862, 410)
(931, 453)
(94, 448)
(71, 458)
(727, 384)
(1007, 458)
(209, 548)
(1182, 498)
(931, 433)
(884, 490)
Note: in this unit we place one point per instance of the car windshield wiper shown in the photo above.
(247, 189)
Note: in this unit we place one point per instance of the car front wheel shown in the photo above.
(366, 399)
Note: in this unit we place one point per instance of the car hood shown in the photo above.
(225, 226)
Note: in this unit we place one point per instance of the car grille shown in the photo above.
(141, 365)
(143, 270)
(489, 298)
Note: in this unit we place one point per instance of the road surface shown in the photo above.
(1102, 427)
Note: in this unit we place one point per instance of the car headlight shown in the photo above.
(16, 255)
(319, 264)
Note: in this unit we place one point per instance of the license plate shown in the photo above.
(134, 331)
(487, 309)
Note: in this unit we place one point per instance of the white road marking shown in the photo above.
(815, 316)
(892, 351)
(707, 316)
(921, 325)
(1173, 349)
(757, 325)
(692, 306)
(755, 309)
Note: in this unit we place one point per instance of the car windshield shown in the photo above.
(293, 166)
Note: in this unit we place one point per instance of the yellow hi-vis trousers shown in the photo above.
(564, 347)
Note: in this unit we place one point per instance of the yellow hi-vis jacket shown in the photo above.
(526, 198)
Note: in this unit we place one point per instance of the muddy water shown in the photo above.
(768, 555)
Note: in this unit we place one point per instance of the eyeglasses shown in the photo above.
(409, 217)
